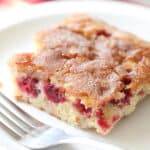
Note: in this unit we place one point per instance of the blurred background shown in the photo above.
(17, 3)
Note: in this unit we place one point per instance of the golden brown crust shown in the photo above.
(90, 59)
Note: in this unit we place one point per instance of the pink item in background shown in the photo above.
(5, 2)
(36, 1)
(21, 2)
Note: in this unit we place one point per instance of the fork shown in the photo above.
(34, 134)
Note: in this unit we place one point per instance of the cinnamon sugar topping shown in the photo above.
(89, 64)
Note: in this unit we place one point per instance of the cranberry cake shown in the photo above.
(85, 72)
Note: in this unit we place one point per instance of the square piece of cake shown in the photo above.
(85, 72)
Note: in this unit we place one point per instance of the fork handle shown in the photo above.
(86, 141)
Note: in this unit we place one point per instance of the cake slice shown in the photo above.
(85, 72)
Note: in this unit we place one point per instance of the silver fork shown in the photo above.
(34, 134)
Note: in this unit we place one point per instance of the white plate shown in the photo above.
(132, 132)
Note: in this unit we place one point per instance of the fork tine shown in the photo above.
(25, 116)
(9, 114)
(9, 131)
(11, 125)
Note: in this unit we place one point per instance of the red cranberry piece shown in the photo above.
(81, 108)
(126, 99)
(35, 1)
(28, 85)
(102, 122)
(126, 80)
(53, 93)
(103, 33)
(115, 118)
(99, 113)
(114, 101)
(141, 93)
